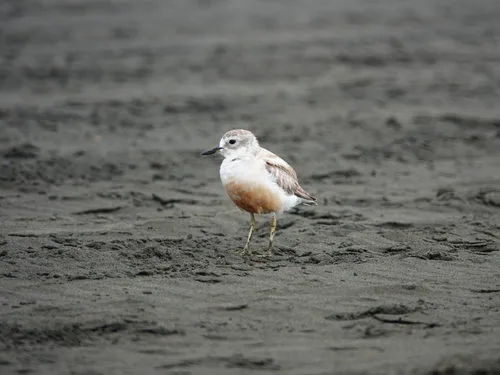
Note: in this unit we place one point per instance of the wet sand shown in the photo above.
(117, 242)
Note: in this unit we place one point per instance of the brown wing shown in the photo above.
(284, 175)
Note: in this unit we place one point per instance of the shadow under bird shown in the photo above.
(257, 181)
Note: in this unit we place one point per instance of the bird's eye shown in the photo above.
(232, 141)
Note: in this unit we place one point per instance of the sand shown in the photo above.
(117, 242)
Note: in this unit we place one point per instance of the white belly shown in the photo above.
(247, 177)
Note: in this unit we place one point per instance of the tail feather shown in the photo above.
(305, 196)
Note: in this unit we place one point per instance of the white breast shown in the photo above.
(246, 169)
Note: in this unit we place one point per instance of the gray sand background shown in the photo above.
(116, 238)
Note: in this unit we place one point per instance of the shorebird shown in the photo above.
(257, 181)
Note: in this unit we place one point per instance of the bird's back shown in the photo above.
(284, 175)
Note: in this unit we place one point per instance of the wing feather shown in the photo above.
(284, 175)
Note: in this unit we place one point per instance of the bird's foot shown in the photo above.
(266, 254)
(245, 251)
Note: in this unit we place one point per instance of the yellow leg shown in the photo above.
(274, 223)
(246, 249)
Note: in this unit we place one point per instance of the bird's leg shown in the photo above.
(274, 223)
(246, 249)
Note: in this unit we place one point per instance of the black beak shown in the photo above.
(212, 151)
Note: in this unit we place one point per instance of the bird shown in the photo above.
(257, 181)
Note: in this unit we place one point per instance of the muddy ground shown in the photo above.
(117, 240)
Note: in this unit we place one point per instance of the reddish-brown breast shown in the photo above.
(253, 198)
